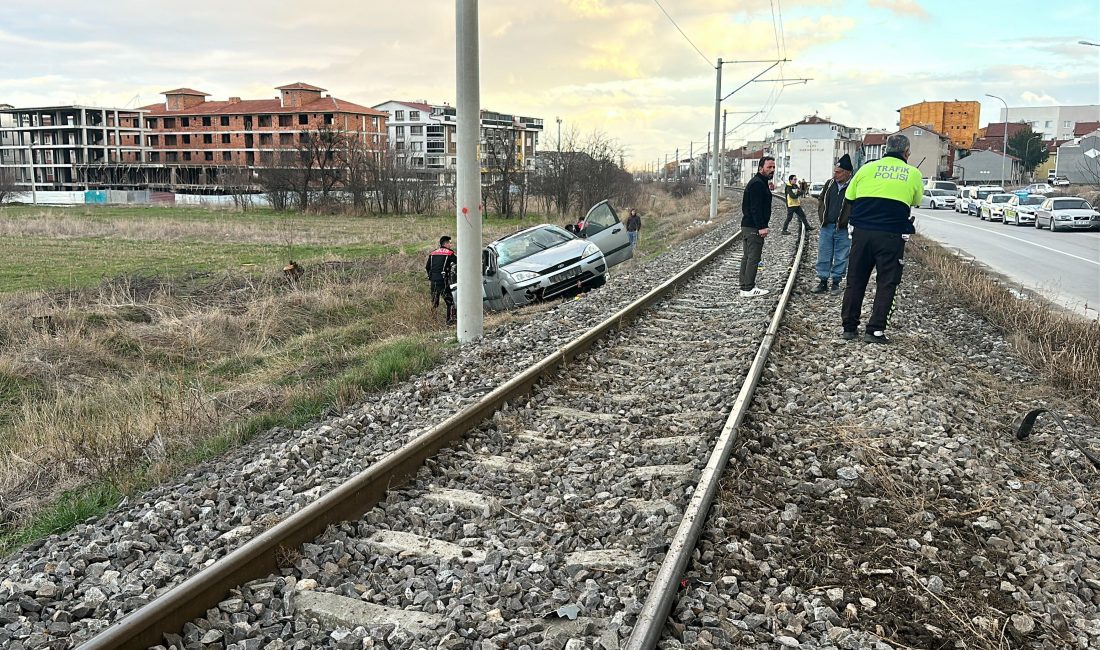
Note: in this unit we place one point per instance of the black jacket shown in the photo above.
(633, 223)
(440, 265)
(756, 206)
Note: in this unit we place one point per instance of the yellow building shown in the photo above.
(957, 120)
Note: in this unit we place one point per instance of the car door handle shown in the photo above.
(616, 230)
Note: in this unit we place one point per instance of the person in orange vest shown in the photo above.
(441, 265)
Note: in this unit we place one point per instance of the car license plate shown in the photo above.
(565, 275)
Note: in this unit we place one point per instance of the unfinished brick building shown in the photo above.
(193, 141)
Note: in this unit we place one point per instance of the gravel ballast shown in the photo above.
(880, 500)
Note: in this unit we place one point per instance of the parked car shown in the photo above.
(546, 261)
(994, 205)
(966, 195)
(1067, 213)
(1059, 181)
(933, 184)
(815, 190)
(980, 195)
(1021, 210)
(1039, 188)
(936, 199)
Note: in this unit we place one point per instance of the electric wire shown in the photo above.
(704, 56)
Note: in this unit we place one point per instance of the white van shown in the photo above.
(933, 184)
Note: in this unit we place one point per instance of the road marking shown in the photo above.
(1001, 234)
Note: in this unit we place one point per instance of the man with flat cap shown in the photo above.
(833, 243)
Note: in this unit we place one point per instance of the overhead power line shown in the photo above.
(709, 64)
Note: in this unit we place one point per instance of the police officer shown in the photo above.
(881, 194)
(440, 267)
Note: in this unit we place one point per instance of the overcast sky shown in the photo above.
(619, 67)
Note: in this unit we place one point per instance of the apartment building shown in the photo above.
(957, 120)
(810, 148)
(1054, 122)
(58, 148)
(930, 151)
(194, 139)
(424, 135)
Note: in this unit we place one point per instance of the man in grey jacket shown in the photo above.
(833, 242)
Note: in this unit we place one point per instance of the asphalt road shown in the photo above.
(1062, 266)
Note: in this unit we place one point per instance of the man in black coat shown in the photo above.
(756, 210)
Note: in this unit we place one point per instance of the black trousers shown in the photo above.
(882, 252)
(752, 247)
(442, 289)
(791, 211)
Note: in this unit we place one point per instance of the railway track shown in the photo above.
(561, 508)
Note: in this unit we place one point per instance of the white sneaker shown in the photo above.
(754, 292)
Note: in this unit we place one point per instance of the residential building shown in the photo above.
(985, 168)
(745, 163)
(425, 136)
(957, 120)
(192, 141)
(1054, 122)
(992, 136)
(929, 151)
(52, 148)
(873, 147)
(1079, 160)
(1051, 163)
(810, 148)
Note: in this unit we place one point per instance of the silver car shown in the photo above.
(1067, 213)
(545, 261)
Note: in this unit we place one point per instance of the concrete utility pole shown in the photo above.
(1004, 146)
(714, 159)
(721, 156)
(468, 207)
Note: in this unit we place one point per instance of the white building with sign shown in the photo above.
(810, 148)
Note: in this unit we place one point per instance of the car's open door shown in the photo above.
(602, 227)
(491, 290)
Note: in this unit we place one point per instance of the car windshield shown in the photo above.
(983, 193)
(1000, 198)
(942, 193)
(1033, 200)
(1071, 204)
(527, 243)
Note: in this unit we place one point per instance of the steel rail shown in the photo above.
(650, 625)
(257, 557)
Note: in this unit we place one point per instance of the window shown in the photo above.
(399, 131)
(169, 122)
(151, 123)
(414, 115)
(170, 140)
(328, 118)
(185, 121)
(208, 138)
(286, 120)
(206, 121)
(225, 120)
(154, 157)
(1067, 124)
(286, 138)
(416, 130)
(171, 157)
(1048, 123)
(303, 118)
(154, 140)
(399, 116)
(227, 157)
(208, 156)
(266, 138)
(265, 121)
(374, 123)
(602, 218)
(186, 139)
(225, 138)
(187, 155)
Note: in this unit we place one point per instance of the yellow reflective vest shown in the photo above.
(881, 193)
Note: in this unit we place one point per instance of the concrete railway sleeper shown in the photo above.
(578, 486)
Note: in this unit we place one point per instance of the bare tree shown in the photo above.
(506, 177)
(8, 185)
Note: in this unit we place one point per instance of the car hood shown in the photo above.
(549, 258)
(1075, 212)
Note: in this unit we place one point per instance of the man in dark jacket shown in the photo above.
(833, 242)
(756, 210)
(441, 265)
(881, 194)
(633, 228)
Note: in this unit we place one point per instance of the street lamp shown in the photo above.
(1027, 148)
(1004, 148)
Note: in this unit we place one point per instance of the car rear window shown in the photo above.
(1000, 198)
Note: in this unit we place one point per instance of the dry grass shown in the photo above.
(1062, 346)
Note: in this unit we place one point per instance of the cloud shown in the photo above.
(1040, 98)
(901, 8)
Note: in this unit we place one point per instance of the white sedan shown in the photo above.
(1021, 211)
(993, 207)
(936, 199)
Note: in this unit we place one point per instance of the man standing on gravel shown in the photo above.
(833, 242)
(794, 204)
(882, 193)
(633, 228)
(756, 210)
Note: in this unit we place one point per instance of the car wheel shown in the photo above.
(598, 282)
(507, 301)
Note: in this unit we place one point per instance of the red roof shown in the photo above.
(1085, 128)
(874, 138)
(321, 105)
(186, 91)
(300, 86)
(997, 129)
